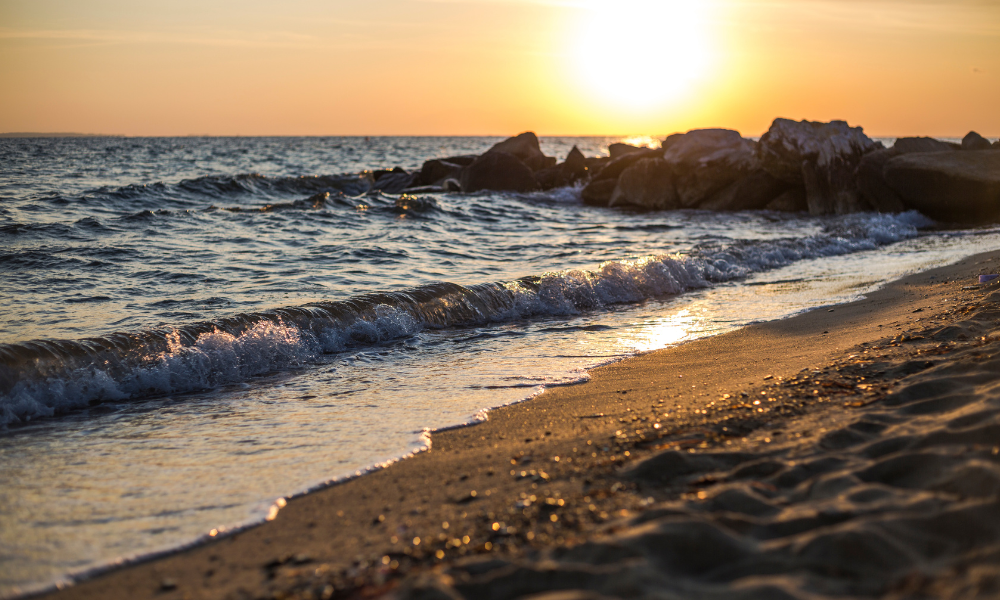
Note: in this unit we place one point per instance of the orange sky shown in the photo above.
(496, 67)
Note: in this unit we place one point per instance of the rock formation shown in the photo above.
(871, 180)
(648, 183)
(908, 145)
(498, 171)
(949, 186)
(821, 156)
(526, 149)
(394, 182)
(710, 165)
(572, 170)
(974, 141)
(825, 168)
(618, 149)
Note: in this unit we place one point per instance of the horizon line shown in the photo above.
(42, 134)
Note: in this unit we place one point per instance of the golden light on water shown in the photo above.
(667, 331)
(643, 54)
(642, 141)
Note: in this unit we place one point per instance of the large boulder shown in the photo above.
(498, 171)
(871, 180)
(598, 192)
(707, 161)
(573, 169)
(464, 160)
(949, 186)
(596, 163)
(525, 147)
(750, 192)
(791, 200)
(871, 171)
(613, 168)
(974, 141)
(821, 156)
(909, 145)
(393, 182)
(433, 172)
(618, 149)
(649, 183)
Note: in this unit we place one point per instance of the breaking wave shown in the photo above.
(48, 377)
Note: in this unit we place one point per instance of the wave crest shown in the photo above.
(47, 377)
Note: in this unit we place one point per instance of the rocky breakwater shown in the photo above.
(516, 164)
(822, 168)
(948, 182)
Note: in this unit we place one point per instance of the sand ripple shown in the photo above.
(900, 500)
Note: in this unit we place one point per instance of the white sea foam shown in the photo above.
(216, 358)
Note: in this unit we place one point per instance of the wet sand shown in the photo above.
(849, 451)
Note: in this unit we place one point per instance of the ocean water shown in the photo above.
(192, 329)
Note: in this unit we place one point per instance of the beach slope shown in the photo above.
(851, 450)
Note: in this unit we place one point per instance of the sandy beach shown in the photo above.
(848, 451)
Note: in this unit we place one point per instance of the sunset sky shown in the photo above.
(496, 67)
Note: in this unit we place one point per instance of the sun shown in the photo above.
(642, 54)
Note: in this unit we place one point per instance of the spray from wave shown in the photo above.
(47, 377)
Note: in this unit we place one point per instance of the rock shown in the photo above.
(598, 193)
(525, 147)
(871, 177)
(974, 141)
(538, 163)
(751, 192)
(704, 147)
(550, 178)
(618, 149)
(567, 173)
(791, 200)
(949, 186)
(649, 183)
(615, 167)
(821, 156)
(463, 160)
(497, 171)
(576, 162)
(996, 145)
(596, 163)
(378, 173)
(437, 170)
(394, 182)
(920, 144)
(707, 161)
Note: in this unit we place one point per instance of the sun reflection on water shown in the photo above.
(670, 330)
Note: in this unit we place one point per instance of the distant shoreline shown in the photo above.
(29, 134)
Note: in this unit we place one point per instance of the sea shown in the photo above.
(193, 330)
